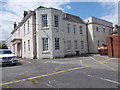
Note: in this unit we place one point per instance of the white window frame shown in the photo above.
(28, 45)
(81, 31)
(24, 47)
(18, 32)
(97, 29)
(74, 28)
(104, 30)
(110, 31)
(76, 44)
(69, 45)
(68, 28)
(44, 20)
(98, 43)
(56, 20)
(82, 44)
(28, 26)
(57, 43)
(45, 44)
(24, 29)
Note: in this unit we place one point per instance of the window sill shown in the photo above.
(68, 50)
(46, 52)
(45, 28)
(56, 28)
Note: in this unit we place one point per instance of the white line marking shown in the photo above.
(105, 79)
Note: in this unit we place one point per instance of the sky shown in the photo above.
(12, 10)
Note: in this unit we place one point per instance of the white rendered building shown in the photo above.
(98, 29)
(48, 33)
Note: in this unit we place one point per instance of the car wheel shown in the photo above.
(14, 63)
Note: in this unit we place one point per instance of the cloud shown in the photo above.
(11, 11)
(113, 16)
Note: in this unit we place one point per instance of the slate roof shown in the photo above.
(73, 18)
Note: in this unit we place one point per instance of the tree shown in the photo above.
(3, 46)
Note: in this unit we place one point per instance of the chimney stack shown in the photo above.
(15, 25)
(25, 13)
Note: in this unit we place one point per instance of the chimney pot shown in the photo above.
(15, 25)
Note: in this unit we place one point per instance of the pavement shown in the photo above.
(90, 71)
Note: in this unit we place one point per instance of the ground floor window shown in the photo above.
(98, 43)
(24, 46)
(82, 44)
(28, 45)
(76, 44)
(57, 46)
(69, 45)
(45, 44)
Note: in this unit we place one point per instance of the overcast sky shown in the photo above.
(12, 10)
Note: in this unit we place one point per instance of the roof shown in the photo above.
(73, 18)
(23, 21)
(68, 17)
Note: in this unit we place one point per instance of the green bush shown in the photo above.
(3, 46)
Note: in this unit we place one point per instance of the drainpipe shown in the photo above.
(111, 42)
(87, 36)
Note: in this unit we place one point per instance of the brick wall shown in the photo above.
(113, 42)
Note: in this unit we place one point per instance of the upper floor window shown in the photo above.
(76, 44)
(57, 46)
(28, 26)
(80, 29)
(110, 31)
(68, 28)
(97, 29)
(24, 29)
(45, 44)
(56, 21)
(18, 32)
(103, 29)
(74, 28)
(44, 20)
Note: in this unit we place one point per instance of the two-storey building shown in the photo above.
(47, 33)
(97, 31)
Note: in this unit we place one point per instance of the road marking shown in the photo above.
(54, 73)
(81, 62)
(108, 60)
(23, 73)
(24, 61)
(54, 62)
(104, 79)
(102, 63)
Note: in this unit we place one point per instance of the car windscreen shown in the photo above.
(6, 52)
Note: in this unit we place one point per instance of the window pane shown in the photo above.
(56, 21)
(68, 28)
(45, 44)
(80, 29)
(74, 27)
(69, 45)
(76, 44)
(44, 21)
(82, 45)
(57, 44)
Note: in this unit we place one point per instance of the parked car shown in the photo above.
(7, 57)
(103, 50)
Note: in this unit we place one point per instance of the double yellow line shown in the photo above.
(31, 78)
